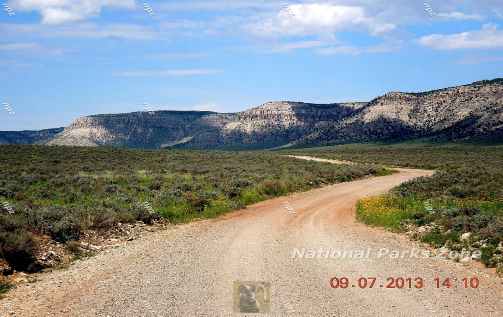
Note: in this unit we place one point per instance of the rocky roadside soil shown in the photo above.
(54, 255)
(190, 270)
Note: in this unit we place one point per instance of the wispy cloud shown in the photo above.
(318, 18)
(207, 107)
(335, 47)
(63, 11)
(220, 5)
(291, 46)
(456, 15)
(29, 48)
(125, 31)
(449, 15)
(86, 30)
(224, 25)
(354, 50)
(170, 72)
(18, 46)
(9, 63)
(180, 55)
(475, 60)
(340, 49)
(489, 37)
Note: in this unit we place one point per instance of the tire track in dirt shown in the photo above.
(189, 270)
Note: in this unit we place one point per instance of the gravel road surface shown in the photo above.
(189, 270)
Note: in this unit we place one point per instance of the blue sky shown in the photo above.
(61, 59)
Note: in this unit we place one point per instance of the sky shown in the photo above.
(63, 59)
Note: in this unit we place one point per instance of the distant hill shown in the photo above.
(28, 137)
(468, 112)
(472, 111)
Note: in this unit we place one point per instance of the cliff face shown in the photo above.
(138, 130)
(279, 123)
(270, 125)
(470, 111)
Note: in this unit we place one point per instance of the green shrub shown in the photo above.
(487, 255)
(5, 285)
(107, 219)
(74, 247)
(18, 249)
(66, 229)
(435, 238)
(273, 188)
(464, 195)
(250, 196)
(62, 191)
(385, 211)
(145, 213)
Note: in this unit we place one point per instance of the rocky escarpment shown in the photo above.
(140, 129)
(472, 111)
(277, 124)
(270, 125)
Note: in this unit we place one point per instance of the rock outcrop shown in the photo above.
(270, 125)
(466, 112)
(472, 111)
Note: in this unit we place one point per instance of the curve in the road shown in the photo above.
(189, 270)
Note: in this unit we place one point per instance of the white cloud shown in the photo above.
(180, 55)
(489, 37)
(62, 11)
(474, 60)
(318, 18)
(207, 107)
(87, 30)
(353, 50)
(29, 48)
(182, 25)
(14, 64)
(18, 46)
(456, 15)
(125, 31)
(341, 49)
(219, 5)
(223, 25)
(287, 47)
(335, 48)
(170, 73)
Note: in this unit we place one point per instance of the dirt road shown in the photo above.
(189, 270)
